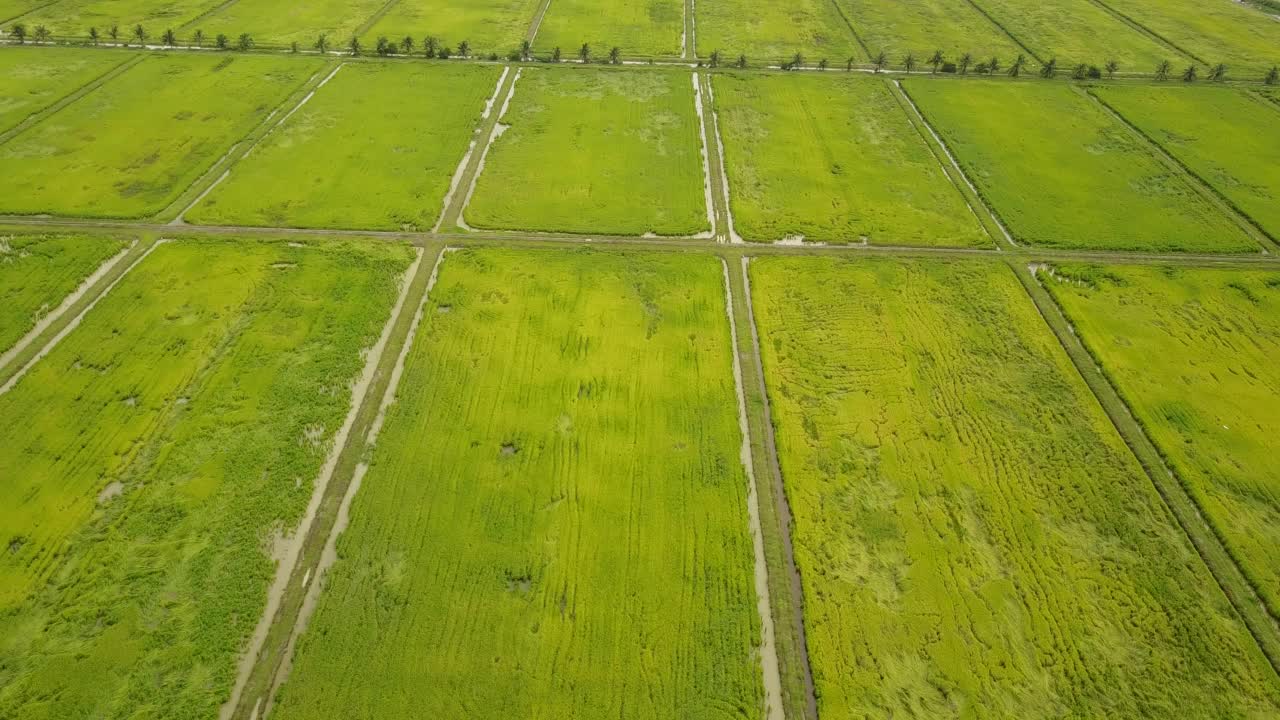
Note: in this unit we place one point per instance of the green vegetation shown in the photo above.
(925, 26)
(132, 146)
(974, 538)
(268, 22)
(73, 18)
(38, 271)
(1193, 354)
(773, 32)
(184, 422)
(1227, 32)
(1077, 32)
(834, 160)
(33, 79)
(637, 27)
(1225, 137)
(1062, 172)
(357, 159)
(554, 523)
(489, 25)
(596, 151)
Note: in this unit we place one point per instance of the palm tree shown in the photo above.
(615, 55)
(244, 42)
(993, 66)
(742, 62)
(140, 34)
(822, 64)
(1081, 71)
(220, 42)
(1273, 76)
(555, 54)
(525, 49)
(429, 46)
(169, 38)
(380, 47)
(464, 48)
(965, 61)
(93, 35)
(1016, 68)
(353, 46)
(41, 34)
(1050, 68)
(584, 52)
(909, 62)
(714, 60)
(1162, 70)
(880, 61)
(848, 65)
(114, 32)
(797, 60)
(935, 60)
(1112, 67)
(406, 45)
(198, 38)
(1218, 73)
(19, 31)
(1189, 75)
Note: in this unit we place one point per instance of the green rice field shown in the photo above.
(774, 32)
(834, 161)
(1093, 183)
(206, 389)
(495, 26)
(38, 271)
(1225, 137)
(595, 151)
(268, 21)
(73, 18)
(1193, 353)
(1077, 32)
(33, 79)
(973, 537)
(635, 27)
(359, 159)
(129, 148)
(1244, 39)
(554, 520)
(898, 29)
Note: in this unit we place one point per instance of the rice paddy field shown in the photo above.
(33, 79)
(73, 18)
(920, 28)
(774, 32)
(834, 161)
(37, 272)
(489, 26)
(360, 160)
(206, 389)
(268, 21)
(1247, 41)
(553, 523)
(1077, 32)
(973, 537)
(1225, 137)
(595, 151)
(1192, 352)
(636, 27)
(1093, 183)
(130, 147)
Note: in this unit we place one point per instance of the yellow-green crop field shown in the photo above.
(1247, 41)
(488, 26)
(554, 523)
(269, 21)
(73, 18)
(834, 161)
(358, 159)
(973, 537)
(163, 444)
(1061, 172)
(132, 146)
(920, 28)
(33, 79)
(37, 272)
(1193, 352)
(774, 32)
(635, 27)
(595, 151)
(1225, 137)
(1076, 32)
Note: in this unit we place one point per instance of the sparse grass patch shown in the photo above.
(834, 160)
(357, 156)
(38, 271)
(132, 146)
(595, 151)
(32, 79)
(554, 522)
(1061, 172)
(974, 538)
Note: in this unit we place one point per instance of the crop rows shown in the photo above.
(37, 272)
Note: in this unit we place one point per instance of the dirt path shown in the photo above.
(291, 547)
(708, 200)
(725, 207)
(768, 646)
(465, 162)
(537, 21)
(51, 317)
(75, 322)
(496, 128)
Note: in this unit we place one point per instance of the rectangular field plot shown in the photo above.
(1193, 353)
(164, 447)
(38, 271)
(1061, 172)
(129, 148)
(276, 23)
(834, 160)
(1076, 32)
(32, 79)
(495, 26)
(356, 156)
(774, 32)
(596, 151)
(635, 27)
(922, 27)
(73, 18)
(1226, 138)
(973, 537)
(554, 523)
(1214, 32)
